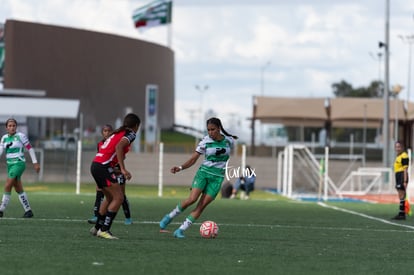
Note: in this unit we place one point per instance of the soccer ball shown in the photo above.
(209, 229)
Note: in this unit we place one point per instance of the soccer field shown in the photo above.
(265, 235)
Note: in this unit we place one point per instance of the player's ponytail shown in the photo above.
(217, 122)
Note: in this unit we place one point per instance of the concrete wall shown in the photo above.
(60, 166)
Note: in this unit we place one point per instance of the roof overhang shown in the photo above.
(342, 112)
(39, 107)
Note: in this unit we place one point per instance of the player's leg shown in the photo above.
(114, 191)
(98, 200)
(401, 212)
(192, 198)
(105, 180)
(249, 188)
(199, 183)
(212, 188)
(24, 200)
(125, 204)
(236, 188)
(102, 211)
(399, 186)
(127, 211)
(6, 195)
(16, 173)
(205, 200)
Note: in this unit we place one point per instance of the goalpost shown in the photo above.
(302, 174)
(299, 173)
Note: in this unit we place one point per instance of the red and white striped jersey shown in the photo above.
(107, 151)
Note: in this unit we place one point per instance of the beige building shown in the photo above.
(344, 112)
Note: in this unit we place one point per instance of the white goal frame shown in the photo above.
(362, 181)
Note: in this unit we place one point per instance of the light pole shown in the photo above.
(201, 89)
(191, 113)
(377, 57)
(395, 92)
(193, 131)
(408, 39)
(386, 96)
(364, 135)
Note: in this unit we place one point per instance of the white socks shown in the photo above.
(186, 224)
(176, 211)
(5, 201)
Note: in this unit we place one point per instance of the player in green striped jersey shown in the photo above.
(216, 147)
(13, 144)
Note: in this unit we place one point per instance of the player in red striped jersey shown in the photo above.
(107, 132)
(112, 152)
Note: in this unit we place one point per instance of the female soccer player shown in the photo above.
(112, 152)
(13, 143)
(207, 181)
(401, 166)
(106, 133)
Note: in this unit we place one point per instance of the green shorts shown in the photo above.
(15, 170)
(209, 184)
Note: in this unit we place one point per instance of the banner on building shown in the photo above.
(151, 114)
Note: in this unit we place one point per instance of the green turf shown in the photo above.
(265, 235)
(169, 136)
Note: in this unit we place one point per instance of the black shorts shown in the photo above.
(103, 175)
(399, 181)
(119, 176)
(120, 179)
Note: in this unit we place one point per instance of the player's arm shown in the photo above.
(120, 154)
(1, 146)
(32, 154)
(405, 177)
(31, 151)
(190, 162)
(404, 163)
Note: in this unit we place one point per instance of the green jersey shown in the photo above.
(217, 153)
(14, 147)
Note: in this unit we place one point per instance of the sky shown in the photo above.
(233, 50)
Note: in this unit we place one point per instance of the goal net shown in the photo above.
(301, 174)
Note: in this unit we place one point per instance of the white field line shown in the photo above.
(365, 216)
(270, 226)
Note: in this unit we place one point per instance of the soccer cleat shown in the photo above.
(28, 214)
(93, 220)
(93, 231)
(1, 214)
(128, 221)
(399, 217)
(164, 222)
(106, 235)
(179, 234)
(233, 196)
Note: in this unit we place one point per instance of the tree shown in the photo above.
(344, 89)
